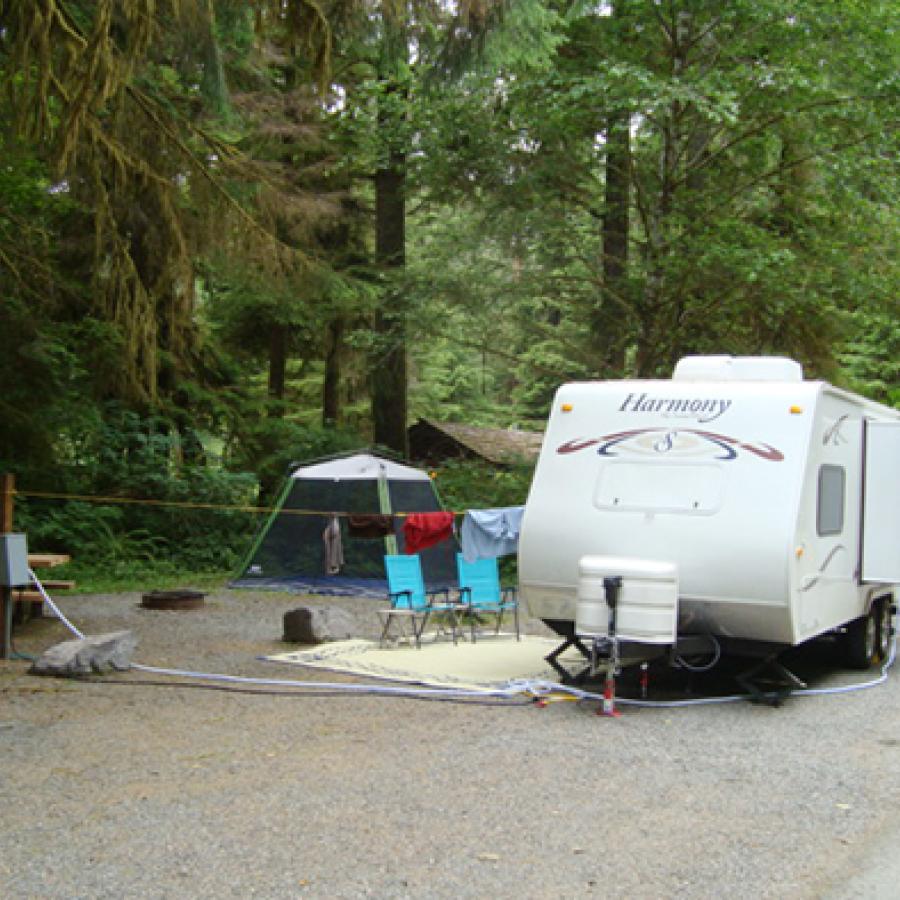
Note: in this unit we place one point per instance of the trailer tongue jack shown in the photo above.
(605, 654)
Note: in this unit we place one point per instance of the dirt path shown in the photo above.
(115, 788)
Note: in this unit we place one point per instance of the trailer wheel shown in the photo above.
(885, 628)
(861, 642)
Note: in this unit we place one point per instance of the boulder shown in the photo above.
(97, 653)
(316, 624)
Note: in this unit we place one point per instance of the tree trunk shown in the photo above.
(212, 83)
(331, 401)
(608, 327)
(388, 366)
(661, 308)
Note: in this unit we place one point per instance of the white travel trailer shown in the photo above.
(774, 500)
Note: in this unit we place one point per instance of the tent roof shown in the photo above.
(361, 467)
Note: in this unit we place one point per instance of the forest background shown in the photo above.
(236, 233)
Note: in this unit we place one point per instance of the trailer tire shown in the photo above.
(861, 641)
(885, 628)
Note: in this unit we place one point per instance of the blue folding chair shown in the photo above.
(480, 591)
(411, 602)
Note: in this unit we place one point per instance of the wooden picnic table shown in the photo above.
(47, 560)
(31, 595)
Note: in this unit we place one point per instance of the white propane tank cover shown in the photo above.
(628, 567)
(647, 604)
(591, 611)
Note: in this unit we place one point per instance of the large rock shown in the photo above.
(97, 653)
(315, 624)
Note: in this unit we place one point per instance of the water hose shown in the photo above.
(715, 656)
(56, 610)
(533, 689)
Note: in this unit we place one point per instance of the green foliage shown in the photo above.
(270, 445)
(464, 485)
(81, 529)
(142, 576)
(872, 357)
(750, 156)
(96, 538)
(133, 459)
(208, 192)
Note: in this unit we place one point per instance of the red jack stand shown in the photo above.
(608, 707)
(645, 680)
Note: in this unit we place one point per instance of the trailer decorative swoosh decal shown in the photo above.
(766, 451)
(575, 446)
(681, 442)
(812, 580)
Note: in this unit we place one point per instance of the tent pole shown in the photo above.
(264, 528)
(384, 501)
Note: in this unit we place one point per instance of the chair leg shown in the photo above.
(384, 631)
(516, 617)
(402, 634)
(421, 629)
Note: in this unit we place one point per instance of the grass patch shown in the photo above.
(140, 575)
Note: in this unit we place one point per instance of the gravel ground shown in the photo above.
(116, 788)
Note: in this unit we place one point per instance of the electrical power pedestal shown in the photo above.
(13, 560)
(13, 573)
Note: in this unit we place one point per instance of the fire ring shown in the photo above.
(172, 600)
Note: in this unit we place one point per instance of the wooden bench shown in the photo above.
(33, 595)
(27, 601)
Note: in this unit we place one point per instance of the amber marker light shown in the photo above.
(796, 410)
(798, 552)
(566, 407)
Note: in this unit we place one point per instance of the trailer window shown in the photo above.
(830, 514)
(658, 487)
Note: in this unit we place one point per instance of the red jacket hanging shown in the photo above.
(422, 530)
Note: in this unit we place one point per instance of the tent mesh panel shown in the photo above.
(439, 561)
(293, 548)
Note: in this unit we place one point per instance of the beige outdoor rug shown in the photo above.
(490, 663)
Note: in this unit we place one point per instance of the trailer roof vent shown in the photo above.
(737, 368)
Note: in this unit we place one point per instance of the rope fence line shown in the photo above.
(135, 501)
(186, 504)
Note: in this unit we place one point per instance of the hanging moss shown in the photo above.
(91, 92)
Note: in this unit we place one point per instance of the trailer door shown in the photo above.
(881, 503)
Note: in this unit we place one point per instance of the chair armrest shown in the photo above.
(395, 595)
(441, 595)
